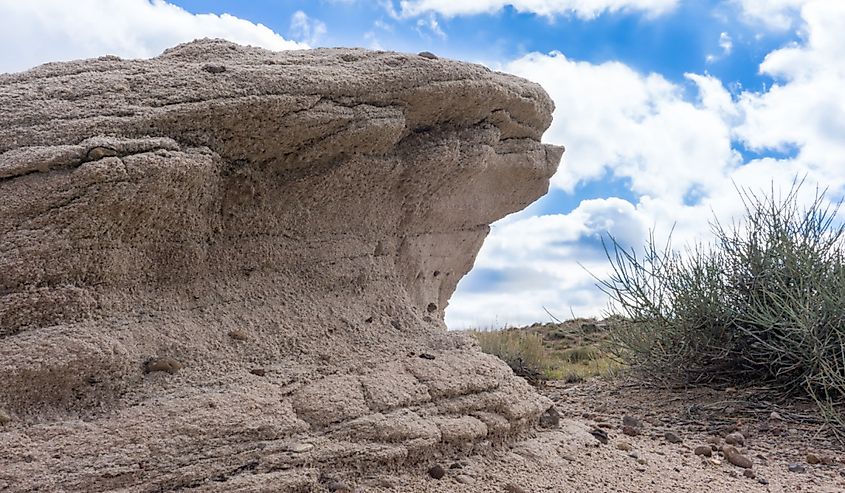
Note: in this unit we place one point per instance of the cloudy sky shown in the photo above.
(663, 105)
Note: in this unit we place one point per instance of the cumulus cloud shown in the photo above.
(612, 118)
(38, 31)
(681, 156)
(580, 8)
(776, 14)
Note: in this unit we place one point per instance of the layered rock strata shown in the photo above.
(225, 268)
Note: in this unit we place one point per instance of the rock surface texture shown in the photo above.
(225, 268)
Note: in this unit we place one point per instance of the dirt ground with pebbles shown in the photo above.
(570, 457)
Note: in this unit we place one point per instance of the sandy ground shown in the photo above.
(569, 458)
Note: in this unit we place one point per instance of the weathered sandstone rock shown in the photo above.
(167, 226)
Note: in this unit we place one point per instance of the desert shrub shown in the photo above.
(535, 357)
(764, 302)
(581, 354)
(523, 351)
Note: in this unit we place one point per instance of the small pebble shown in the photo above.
(628, 420)
(735, 439)
(704, 450)
(300, 448)
(599, 435)
(338, 487)
(623, 446)
(736, 458)
(813, 459)
(214, 69)
(550, 418)
(97, 153)
(4, 417)
(512, 488)
(428, 54)
(238, 335)
(165, 364)
(762, 480)
(258, 371)
(748, 473)
(671, 437)
(630, 431)
(464, 479)
(796, 468)
(437, 472)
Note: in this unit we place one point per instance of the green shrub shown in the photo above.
(765, 302)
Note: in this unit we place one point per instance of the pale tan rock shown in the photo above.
(324, 202)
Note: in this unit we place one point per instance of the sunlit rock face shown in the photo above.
(225, 268)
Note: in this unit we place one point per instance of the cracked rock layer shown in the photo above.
(225, 268)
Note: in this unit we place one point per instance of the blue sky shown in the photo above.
(663, 105)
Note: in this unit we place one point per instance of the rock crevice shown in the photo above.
(320, 204)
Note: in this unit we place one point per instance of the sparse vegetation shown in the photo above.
(764, 303)
(570, 351)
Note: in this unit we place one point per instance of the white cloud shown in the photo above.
(726, 43)
(617, 122)
(639, 126)
(776, 14)
(582, 8)
(306, 29)
(805, 109)
(430, 24)
(37, 31)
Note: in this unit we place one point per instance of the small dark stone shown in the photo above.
(369, 320)
(748, 473)
(735, 438)
(630, 431)
(165, 364)
(672, 437)
(631, 421)
(796, 468)
(704, 450)
(338, 487)
(258, 371)
(736, 458)
(437, 472)
(395, 324)
(428, 54)
(238, 335)
(550, 418)
(214, 69)
(512, 488)
(4, 417)
(431, 308)
(426, 356)
(456, 465)
(599, 435)
(99, 152)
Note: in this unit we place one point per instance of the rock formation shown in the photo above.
(225, 268)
